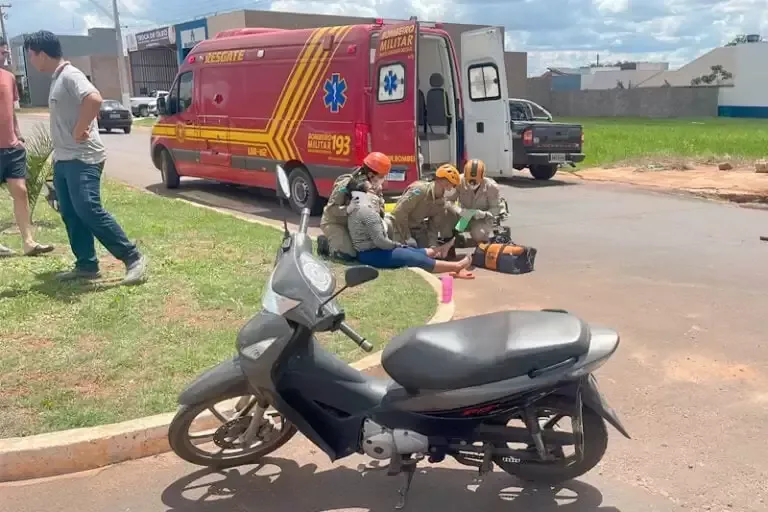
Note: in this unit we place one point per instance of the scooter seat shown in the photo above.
(483, 349)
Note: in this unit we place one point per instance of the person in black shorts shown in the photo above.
(13, 160)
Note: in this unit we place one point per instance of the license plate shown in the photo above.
(396, 176)
(557, 158)
(114, 116)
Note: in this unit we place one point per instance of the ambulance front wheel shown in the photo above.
(171, 178)
(304, 192)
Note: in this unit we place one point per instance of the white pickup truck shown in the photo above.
(144, 106)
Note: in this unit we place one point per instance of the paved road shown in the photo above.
(683, 280)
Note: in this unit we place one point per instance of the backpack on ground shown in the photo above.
(508, 258)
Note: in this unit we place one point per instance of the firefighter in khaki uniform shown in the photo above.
(476, 192)
(335, 240)
(423, 213)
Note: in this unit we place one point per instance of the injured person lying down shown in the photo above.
(369, 238)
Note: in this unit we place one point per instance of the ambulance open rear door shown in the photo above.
(394, 99)
(484, 89)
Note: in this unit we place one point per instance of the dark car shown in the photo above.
(113, 115)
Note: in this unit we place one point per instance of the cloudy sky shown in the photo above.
(553, 32)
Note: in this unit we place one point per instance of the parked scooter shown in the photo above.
(456, 388)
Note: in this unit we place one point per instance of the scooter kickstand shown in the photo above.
(408, 470)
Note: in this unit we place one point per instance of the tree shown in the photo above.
(39, 163)
(717, 74)
(741, 39)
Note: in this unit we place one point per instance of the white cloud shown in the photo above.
(553, 32)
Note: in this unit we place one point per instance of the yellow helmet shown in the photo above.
(474, 172)
(448, 172)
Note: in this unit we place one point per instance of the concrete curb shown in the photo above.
(82, 449)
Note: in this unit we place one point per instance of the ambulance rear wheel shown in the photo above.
(171, 178)
(304, 192)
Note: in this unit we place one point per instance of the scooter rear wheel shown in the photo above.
(222, 431)
(563, 467)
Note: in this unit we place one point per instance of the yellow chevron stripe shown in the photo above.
(296, 84)
(304, 98)
(287, 92)
(308, 66)
(312, 90)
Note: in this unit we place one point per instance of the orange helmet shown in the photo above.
(474, 172)
(448, 172)
(378, 163)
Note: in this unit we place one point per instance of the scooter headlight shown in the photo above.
(316, 273)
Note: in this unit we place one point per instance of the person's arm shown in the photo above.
(90, 103)
(16, 119)
(401, 214)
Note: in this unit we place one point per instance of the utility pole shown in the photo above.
(3, 14)
(2, 19)
(121, 71)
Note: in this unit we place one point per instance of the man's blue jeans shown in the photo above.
(78, 190)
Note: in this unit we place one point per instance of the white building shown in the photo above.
(745, 94)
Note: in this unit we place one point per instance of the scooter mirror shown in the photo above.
(359, 274)
(283, 188)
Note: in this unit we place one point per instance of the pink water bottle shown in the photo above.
(447, 282)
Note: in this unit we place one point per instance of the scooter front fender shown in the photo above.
(223, 378)
(592, 398)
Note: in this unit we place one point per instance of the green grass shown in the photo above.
(77, 355)
(619, 140)
(145, 121)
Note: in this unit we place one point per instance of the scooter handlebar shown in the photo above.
(351, 334)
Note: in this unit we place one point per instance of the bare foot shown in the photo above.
(466, 261)
(442, 251)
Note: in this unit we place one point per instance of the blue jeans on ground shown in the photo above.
(398, 257)
(78, 190)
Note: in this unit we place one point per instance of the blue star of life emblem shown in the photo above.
(335, 93)
(390, 83)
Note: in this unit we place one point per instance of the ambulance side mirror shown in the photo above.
(162, 108)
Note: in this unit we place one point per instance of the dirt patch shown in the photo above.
(740, 185)
(30, 344)
(698, 369)
(181, 304)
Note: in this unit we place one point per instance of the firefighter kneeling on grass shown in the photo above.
(476, 192)
(423, 213)
(335, 241)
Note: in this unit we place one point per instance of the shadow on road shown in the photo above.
(247, 200)
(518, 181)
(280, 485)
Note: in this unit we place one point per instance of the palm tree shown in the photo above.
(39, 163)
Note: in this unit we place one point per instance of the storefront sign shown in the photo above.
(155, 38)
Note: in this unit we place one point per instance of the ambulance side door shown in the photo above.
(393, 101)
(183, 104)
(486, 110)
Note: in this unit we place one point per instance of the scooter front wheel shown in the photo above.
(221, 432)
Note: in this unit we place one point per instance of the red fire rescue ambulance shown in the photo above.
(318, 100)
